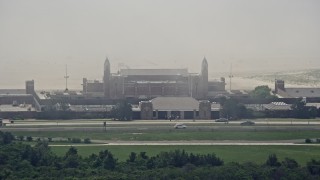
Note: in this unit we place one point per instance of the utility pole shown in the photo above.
(105, 126)
(230, 76)
(191, 86)
(66, 77)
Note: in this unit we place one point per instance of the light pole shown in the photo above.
(66, 77)
(230, 76)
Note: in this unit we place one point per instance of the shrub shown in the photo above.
(272, 161)
(29, 138)
(308, 140)
(314, 167)
(20, 138)
(290, 163)
(76, 140)
(18, 118)
(6, 137)
(87, 141)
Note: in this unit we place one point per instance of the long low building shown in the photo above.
(295, 92)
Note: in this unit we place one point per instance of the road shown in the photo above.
(151, 122)
(189, 143)
(156, 125)
(148, 126)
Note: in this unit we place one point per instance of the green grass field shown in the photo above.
(178, 135)
(257, 154)
(228, 153)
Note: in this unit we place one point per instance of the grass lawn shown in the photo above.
(177, 135)
(257, 154)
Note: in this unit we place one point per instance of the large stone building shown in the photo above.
(151, 83)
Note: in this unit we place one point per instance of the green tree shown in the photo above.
(72, 151)
(42, 154)
(72, 159)
(6, 137)
(29, 138)
(122, 111)
(290, 163)
(21, 138)
(87, 140)
(109, 162)
(272, 160)
(231, 109)
(143, 155)
(300, 110)
(314, 167)
(262, 92)
(132, 157)
(104, 159)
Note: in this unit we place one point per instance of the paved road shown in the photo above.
(157, 125)
(150, 122)
(188, 143)
(165, 128)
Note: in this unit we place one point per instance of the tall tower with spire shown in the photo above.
(204, 78)
(106, 78)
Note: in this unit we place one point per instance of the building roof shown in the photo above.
(57, 94)
(277, 106)
(302, 92)
(217, 94)
(91, 108)
(273, 106)
(12, 91)
(175, 104)
(20, 108)
(153, 72)
(317, 105)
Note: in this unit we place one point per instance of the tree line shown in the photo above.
(22, 161)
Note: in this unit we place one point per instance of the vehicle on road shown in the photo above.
(247, 123)
(221, 120)
(180, 126)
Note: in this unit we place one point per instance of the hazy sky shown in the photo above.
(38, 37)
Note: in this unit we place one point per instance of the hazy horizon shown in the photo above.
(39, 37)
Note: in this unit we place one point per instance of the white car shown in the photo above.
(180, 126)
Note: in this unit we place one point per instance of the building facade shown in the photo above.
(151, 83)
(178, 108)
(298, 92)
